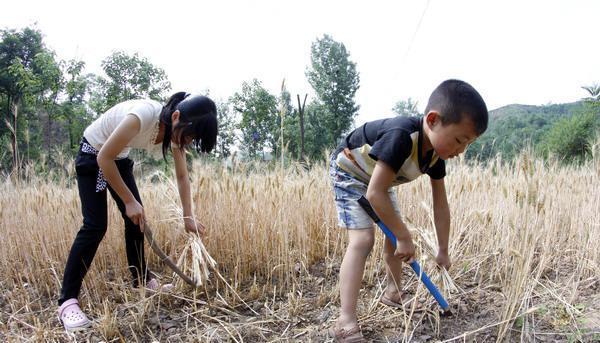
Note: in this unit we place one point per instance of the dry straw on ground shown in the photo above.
(524, 247)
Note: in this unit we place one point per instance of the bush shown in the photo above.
(570, 139)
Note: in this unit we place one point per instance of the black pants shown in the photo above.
(94, 210)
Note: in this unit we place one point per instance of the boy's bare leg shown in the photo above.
(360, 243)
(394, 273)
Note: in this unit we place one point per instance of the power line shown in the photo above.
(412, 40)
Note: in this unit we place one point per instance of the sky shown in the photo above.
(526, 52)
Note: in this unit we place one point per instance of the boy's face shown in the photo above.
(450, 140)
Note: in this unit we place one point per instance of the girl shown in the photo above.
(102, 164)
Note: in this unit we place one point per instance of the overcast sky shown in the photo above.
(528, 52)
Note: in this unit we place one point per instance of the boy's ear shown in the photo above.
(432, 118)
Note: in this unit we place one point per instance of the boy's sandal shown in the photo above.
(346, 336)
(72, 317)
(406, 303)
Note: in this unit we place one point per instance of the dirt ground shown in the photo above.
(302, 315)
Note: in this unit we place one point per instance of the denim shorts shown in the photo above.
(347, 190)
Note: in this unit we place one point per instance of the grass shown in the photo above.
(523, 243)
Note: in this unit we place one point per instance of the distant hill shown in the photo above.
(514, 127)
(553, 109)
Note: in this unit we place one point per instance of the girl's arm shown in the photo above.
(116, 142)
(183, 185)
(441, 215)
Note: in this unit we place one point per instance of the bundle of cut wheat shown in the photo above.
(196, 261)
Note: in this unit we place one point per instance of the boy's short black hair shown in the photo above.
(455, 99)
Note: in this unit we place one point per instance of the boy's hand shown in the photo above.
(443, 260)
(405, 250)
(194, 226)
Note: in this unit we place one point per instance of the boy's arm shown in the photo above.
(183, 185)
(377, 194)
(441, 214)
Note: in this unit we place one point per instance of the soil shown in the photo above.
(303, 315)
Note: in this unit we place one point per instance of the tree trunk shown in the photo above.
(8, 102)
(15, 150)
(71, 140)
(48, 133)
(301, 116)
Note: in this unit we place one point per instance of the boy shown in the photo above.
(385, 153)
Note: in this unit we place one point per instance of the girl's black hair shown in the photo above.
(197, 120)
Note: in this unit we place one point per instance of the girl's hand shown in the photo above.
(135, 212)
(194, 226)
(443, 260)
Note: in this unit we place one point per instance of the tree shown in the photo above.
(316, 142)
(335, 80)
(227, 125)
(593, 101)
(50, 85)
(570, 138)
(128, 77)
(18, 76)
(594, 91)
(406, 108)
(259, 117)
(290, 131)
(75, 110)
(301, 107)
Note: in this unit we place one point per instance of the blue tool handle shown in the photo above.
(430, 286)
(364, 203)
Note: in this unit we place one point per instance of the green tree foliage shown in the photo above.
(594, 91)
(317, 142)
(75, 111)
(571, 139)
(42, 99)
(593, 101)
(227, 125)
(259, 117)
(26, 68)
(291, 126)
(50, 86)
(335, 80)
(513, 128)
(18, 51)
(128, 77)
(46, 103)
(406, 108)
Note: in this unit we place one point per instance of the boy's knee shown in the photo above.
(362, 240)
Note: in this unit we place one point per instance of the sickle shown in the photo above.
(166, 259)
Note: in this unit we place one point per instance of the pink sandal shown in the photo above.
(72, 317)
(154, 286)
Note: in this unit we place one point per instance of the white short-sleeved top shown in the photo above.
(146, 110)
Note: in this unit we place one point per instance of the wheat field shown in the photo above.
(524, 246)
